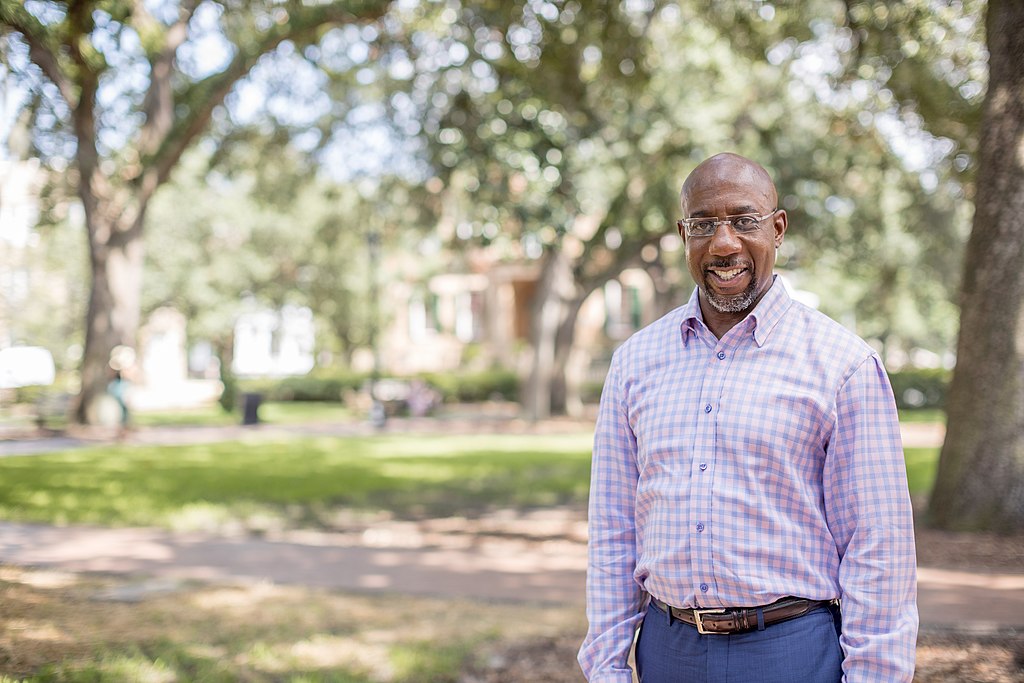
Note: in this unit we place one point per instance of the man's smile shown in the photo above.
(727, 275)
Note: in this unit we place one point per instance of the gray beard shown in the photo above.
(732, 304)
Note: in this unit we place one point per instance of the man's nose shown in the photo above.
(724, 241)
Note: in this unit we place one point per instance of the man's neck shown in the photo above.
(720, 322)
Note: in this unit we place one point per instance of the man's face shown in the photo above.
(732, 270)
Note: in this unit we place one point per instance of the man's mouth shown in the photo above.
(727, 275)
(725, 272)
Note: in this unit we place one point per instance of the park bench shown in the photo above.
(51, 410)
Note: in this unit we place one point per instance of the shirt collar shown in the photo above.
(765, 316)
(770, 309)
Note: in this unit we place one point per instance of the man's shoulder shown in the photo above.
(829, 336)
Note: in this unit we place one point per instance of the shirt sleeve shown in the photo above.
(870, 517)
(614, 599)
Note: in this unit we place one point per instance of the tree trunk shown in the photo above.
(565, 390)
(555, 290)
(224, 347)
(112, 318)
(980, 481)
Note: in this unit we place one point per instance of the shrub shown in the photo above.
(487, 385)
(496, 384)
(327, 386)
(920, 387)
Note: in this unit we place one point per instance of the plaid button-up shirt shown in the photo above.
(733, 472)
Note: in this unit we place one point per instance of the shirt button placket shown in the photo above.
(702, 503)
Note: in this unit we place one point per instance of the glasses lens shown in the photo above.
(700, 228)
(744, 223)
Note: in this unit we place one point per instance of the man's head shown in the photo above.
(732, 267)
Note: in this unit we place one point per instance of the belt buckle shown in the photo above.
(698, 615)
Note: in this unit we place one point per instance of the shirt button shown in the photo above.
(704, 588)
(707, 408)
(703, 466)
(700, 527)
(721, 355)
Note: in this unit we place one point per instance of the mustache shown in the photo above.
(728, 264)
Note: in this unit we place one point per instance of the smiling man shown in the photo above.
(749, 510)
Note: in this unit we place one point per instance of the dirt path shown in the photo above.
(438, 558)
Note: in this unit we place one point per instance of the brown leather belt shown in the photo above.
(741, 619)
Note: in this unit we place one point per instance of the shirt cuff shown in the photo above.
(622, 677)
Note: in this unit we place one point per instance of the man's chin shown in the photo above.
(736, 303)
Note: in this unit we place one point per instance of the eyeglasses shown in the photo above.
(705, 227)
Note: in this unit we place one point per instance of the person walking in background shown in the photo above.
(122, 364)
(118, 390)
(749, 510)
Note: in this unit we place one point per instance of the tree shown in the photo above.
(572, 129)
(980, 481)
(128, 90)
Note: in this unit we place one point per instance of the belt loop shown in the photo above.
(668, 613)
(760, 619)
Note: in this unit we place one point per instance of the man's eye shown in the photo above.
(744, 223)
(704, 226)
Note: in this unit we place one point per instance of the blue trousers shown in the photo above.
(805, 649)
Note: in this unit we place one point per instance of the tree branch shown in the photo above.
(203, 97)
(42, 52)
(158, 105)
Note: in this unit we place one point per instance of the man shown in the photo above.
(748, 480)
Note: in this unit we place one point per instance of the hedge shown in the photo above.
(332, 386)
(475, 387)
(319, 386)
(920, 387)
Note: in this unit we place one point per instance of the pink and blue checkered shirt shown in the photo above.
(733, 472)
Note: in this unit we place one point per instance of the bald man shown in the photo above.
(749, 511)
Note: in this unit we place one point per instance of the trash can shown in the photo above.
(251, 408)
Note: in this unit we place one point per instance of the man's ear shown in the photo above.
(780, 224)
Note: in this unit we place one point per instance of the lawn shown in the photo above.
(921, 467)
(294, 483)
(923, 415)
(290, 412)
(23, 416)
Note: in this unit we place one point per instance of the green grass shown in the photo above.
(921, 467)
(923, 415)
(295, 483)
(295, 412)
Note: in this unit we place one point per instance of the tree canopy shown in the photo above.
(535, 129)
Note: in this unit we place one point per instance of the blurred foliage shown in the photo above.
(117, 92)
(321, 385)
(548, 134)
(917, 388)
(486, 385)
(333, 384)
(528, 128)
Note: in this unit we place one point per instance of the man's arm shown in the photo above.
(870, 516)
(613, 598)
